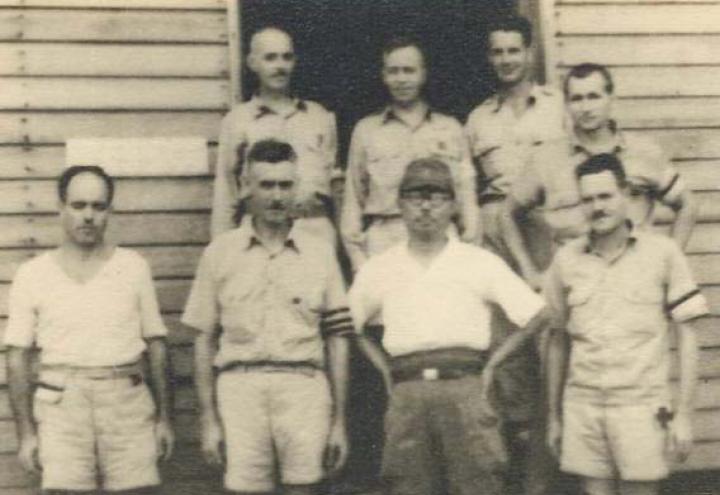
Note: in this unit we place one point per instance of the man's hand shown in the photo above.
(681, 437)
(488, 382)
(212, 440)
(28, 453)
(164, 439)
(554, 436)
(336, 450)
(534, 279)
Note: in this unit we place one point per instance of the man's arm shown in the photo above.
(338, 359)
(517, 338)
(513, 215)
(225, 186)
(378, 358)
(161, 379)
(685, 218)
(212, 435)
(351, 219)
(681, 438)
(19, 380)
(467, 189)
(556, 365)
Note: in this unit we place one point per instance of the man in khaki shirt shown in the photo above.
(385, 142)
(613, 419)
(275, 113)
(545, 199)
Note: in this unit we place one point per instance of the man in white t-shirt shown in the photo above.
(92, 310)
(434, 295)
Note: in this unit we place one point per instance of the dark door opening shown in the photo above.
(339, 41)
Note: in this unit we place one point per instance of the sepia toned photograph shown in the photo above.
(359, 247)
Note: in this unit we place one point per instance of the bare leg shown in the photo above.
(639, 487)
(597, 486)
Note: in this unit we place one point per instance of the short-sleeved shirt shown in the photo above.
(269, 306)
(307, 126)
(549, 187)
(382, 145)
(446, 304)
(100, 322)
(616, 312)
(501, 141)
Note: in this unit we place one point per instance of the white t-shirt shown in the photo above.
(100, 322)
(443, 305)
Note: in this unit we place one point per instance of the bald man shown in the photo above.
(274, 112)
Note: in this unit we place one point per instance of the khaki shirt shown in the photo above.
(270, 306)
(501, 141)
(548, 186)
(382, 146)
(308, 127)
(616, 313)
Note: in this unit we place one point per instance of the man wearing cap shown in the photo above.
(433, 294)
(502, 131)
(275, 113)
(384, 143)
(613, 420)
(91, 309)
(545, 196)
(269, 302)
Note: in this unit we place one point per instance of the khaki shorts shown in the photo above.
(269, 413)
(606, 442)
(88, 427)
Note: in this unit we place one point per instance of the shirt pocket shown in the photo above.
(386, 164)
(642, 310)
(305, 308)
(445, 148)
(582, 315)
(240, 315)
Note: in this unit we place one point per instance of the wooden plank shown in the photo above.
(708, 366)
(668, 112)
(708, 208)
(46, 162)
(165, 261)
(5, 411)
(706, 268)
(119, 26)
(12, 475)
(119, 4)
(67, 59)
(113, 94)
(639, 50)
(8, 436)
(665, 81)
(132, 229)
(704, 455)
(56, 128)
(162, 194)
(632, 18)
(685, 144)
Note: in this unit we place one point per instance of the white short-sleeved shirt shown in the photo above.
(443, 305)
(100, 322)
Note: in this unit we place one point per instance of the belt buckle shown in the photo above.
(430, 374)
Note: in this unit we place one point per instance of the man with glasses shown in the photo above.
(433, 293)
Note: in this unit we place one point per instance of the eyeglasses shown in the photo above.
(435, 199)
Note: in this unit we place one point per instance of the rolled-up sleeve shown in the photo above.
(202, 308)
(225, 187)
(351, 224)
(519, 302)
(150, 319)
(364, 298)
(22, 321)
(685, 302)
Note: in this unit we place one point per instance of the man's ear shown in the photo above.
(252, 61)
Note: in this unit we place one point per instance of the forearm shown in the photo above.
(160, 377)
(375, 355)
(684, 222)
(204, 376)
(517, 338)
(338, 353)
(19, 383)
(510, 218)
(688, 366)
(558, 351)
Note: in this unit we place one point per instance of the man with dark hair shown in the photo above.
(273, 112)
(268, 301)
(613, 420)
(545, 197)
(502, 132)
(434, 295)
(91, 309)
(383, 143)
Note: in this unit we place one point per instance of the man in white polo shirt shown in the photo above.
(433, 294)
(91, 309)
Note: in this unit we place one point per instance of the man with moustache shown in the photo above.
(268, 302)
(384, 143)
(613, 420)
(434, 293)
(274, 112)
(546, 196)
(502, 132)
(91, 309)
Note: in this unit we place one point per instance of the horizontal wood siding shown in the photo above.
(110, 69)
(665, 59)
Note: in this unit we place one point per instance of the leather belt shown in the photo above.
(133, 370)
(269, 366)
(446, 372)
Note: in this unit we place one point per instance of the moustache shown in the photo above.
(280, 72)
(598, 215)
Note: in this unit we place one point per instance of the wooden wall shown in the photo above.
(665, 58)
(110, 68)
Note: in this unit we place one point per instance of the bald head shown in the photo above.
(272, 59)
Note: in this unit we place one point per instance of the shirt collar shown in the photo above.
(250, 238)
(261, 109)
(589, 248)
(536, 93)
(619, 141)
(389, 114)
